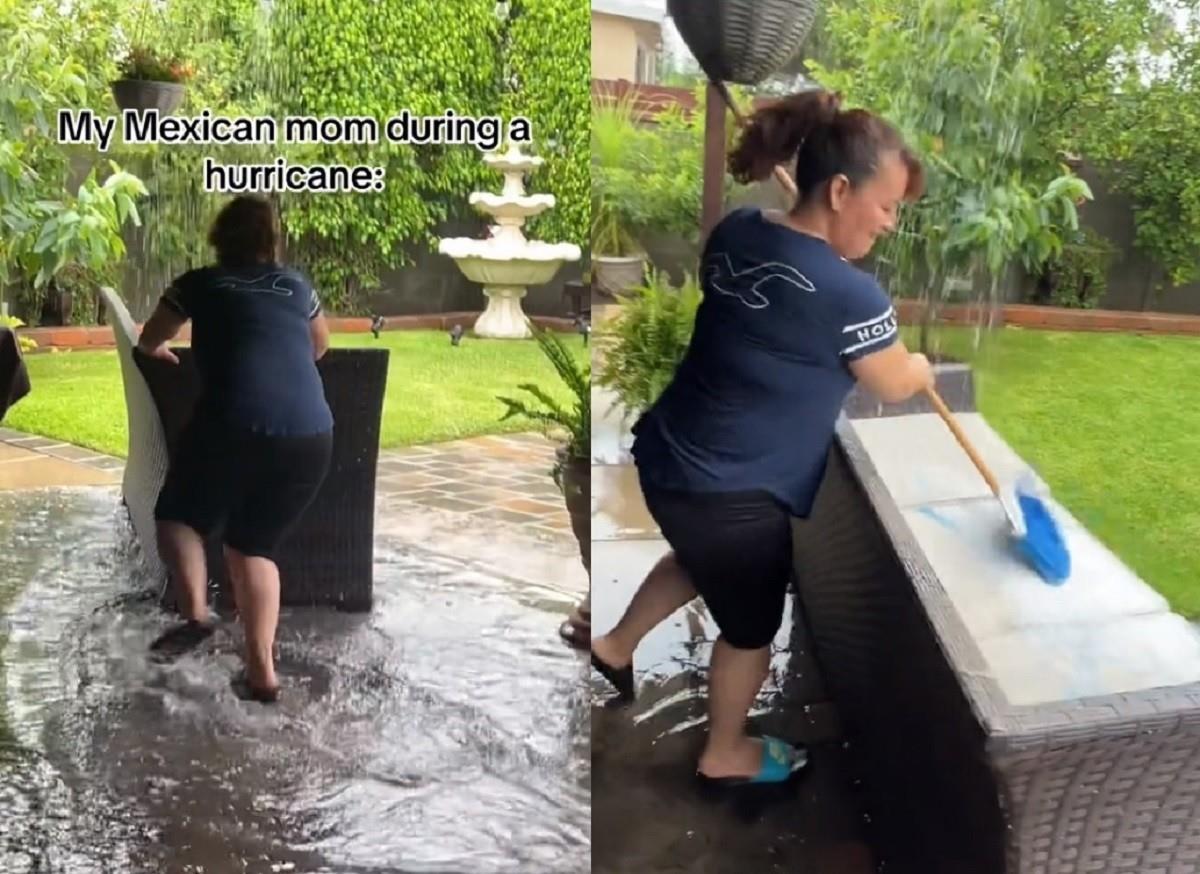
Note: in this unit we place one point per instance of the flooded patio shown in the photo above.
(644, 801)
(444, 731)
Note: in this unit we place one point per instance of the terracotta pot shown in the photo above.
(142, 94)
(577, 491)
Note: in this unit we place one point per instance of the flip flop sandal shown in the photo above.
(576, 637)
(181, 639)
(243, 690)
(781, 761)
(620, 678)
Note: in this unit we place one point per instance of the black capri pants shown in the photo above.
(737, 548)
(256, 485)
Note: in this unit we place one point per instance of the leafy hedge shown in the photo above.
(549, 57)
(368, 58)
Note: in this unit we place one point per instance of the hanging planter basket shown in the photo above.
(143, 94)
(743, 41)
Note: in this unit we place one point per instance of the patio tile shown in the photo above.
(43, 471)
(524, 505)
(71, 453)
(409, 481)
(447, 503)
(499, 478)
(503, 515)
(10, 453)
(34, 442)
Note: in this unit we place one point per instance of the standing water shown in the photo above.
(445, 731)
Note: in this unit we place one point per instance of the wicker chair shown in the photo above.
(958, 779)
(743, 41)
(328, 558)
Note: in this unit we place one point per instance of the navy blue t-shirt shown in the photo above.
(252, 343)
(756, 399)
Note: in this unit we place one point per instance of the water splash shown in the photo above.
(412, 739)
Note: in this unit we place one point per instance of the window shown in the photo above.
(647, 63)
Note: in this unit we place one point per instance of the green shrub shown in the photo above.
(648, 339)
(1078, 278)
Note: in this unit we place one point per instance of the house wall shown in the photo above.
(615, 43)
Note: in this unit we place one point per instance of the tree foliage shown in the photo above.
(50, 219)
(1153, 156)
(964, 82)
(1111, 81)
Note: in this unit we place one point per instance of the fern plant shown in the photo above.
(646, 342)
(572, 424)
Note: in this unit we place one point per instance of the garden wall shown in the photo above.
(431, 284)
(1110, 214)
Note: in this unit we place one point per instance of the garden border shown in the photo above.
(101, 336)
(1045, 318)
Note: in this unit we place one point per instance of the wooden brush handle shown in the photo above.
(960, 435)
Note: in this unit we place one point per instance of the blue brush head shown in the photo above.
(1043, 544)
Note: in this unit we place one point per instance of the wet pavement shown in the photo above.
(445, 731)
(645, 810)
(28, 461)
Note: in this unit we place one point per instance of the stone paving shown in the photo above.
(28, 461)
(495, 479)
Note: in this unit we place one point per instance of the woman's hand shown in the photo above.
(922, 370)
(161, 352)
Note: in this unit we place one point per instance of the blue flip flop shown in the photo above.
(781, 761)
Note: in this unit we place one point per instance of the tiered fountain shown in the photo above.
(506, 263)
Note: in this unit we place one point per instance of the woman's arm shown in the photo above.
(893, 374)
(319, 328)
(161, 328)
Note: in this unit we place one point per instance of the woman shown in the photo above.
(737, 443)
(258, 445)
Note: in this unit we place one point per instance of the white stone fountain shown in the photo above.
(506, 263)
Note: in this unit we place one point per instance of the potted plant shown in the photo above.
(647, 339)
(571, 426)
(618, 262)
(150, 80)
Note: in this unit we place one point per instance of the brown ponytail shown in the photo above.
(777, 132)
(810, 128)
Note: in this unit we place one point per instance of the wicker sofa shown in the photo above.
(959, 778)
(327, 560)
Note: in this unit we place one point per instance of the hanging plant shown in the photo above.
(150, 80)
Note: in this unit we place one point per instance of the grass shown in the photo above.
(435, 391)
(1105, 420)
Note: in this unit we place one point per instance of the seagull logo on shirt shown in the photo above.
(268, 283)
(720, 276)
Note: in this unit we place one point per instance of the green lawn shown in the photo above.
(435, 391)
(1107, 420)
